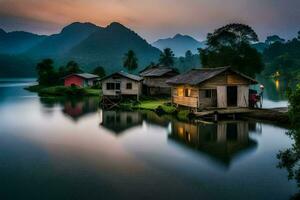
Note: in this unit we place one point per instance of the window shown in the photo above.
(208, 93)
(180, 92)
(110, 86)
(118, 86)
(187, 92)
(129, 86)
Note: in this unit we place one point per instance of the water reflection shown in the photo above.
(222, 141)
(118, 122)
(72, 108)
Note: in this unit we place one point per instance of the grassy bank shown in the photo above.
(159, 106)
(63, 91)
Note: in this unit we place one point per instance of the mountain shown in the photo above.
(84, 43)
(179, 44)
(58, 44)
(17, 41)
(107, 47)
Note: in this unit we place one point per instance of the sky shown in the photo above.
(154, 19)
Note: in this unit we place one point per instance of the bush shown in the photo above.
(183, 115)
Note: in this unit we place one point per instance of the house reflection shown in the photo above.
(222, 141)
(79, 108)
(119, 121)
(72, 108)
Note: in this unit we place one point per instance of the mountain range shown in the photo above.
(85, 43)
(179, 44)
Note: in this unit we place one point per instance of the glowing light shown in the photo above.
(277, 84)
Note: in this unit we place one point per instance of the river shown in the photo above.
(71, 149)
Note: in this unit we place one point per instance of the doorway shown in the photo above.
(231, 96)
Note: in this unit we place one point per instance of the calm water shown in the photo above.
(66, 149)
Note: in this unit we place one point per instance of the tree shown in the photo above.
(99, 71)
(167, 57)
(130, 61)
(231, 35)
(274, 38)
(46, 73)
(71, 68)
(298, 35)
(290, 158)
(230, 45)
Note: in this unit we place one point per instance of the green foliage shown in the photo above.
(71, 68)
(46, 74)
(130, 61)
(230, 46)
(100, 71)
(188, 62)
(64, 91)
(290, 158)
(183, 115)
(167, 57)
(283, 58)
(274, 38)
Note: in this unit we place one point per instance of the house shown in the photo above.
(81, 80)
(122, 84)
(155, 77)
(211, 87)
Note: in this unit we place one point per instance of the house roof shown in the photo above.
(83, 75)
(156, 71)
(197, 76)
(125, 74)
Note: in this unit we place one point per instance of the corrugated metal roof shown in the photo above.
(84, 75)
(125, 74)
(197, 76)
(156, 71)
(87, 75)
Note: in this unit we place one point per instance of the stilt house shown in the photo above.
(211, 88)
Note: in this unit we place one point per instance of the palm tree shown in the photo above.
(130, 61)
(167, 57)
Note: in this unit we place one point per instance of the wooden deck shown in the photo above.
(225, 111)
(279, 115)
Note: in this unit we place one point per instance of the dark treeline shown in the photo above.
(282, 59)
(48, 75)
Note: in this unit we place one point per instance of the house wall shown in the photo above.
(180, 99)
(218, 83)
(74, 80)
(136, 86)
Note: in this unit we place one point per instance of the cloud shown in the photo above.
(154, 18)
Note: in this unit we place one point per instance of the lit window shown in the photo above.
(180, 92)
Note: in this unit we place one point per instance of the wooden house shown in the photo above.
(211, 88)
(122, 84)
(81, 80)
(155, 77)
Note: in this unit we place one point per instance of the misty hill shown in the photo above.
(85, 43)
(107, 47)
(57, 44)
(17, 41)
(179, 44)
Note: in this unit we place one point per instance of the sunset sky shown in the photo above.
(154, 19)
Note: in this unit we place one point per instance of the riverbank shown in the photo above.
(59, 91)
